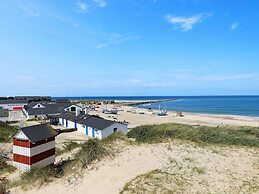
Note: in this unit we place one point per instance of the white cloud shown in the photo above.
(30, 11)
(234, 26)
(241, 76)
(100, 3)
(82, 7)
(116, 38)
(187, 23)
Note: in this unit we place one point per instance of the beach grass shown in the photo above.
(90, 151)
(242, 136)
(6, 131)
(67, 147)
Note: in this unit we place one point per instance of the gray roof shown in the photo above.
(49, 108)
(88, 120)
(72, 117)
(39, 132)
(10, 101)
(97, 122)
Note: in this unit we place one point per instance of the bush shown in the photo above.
(6, 131)
(92, 150)
(68, 147)
(215, 135)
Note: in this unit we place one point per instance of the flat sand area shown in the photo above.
(136, 119)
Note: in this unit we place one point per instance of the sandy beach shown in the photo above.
(149, 118)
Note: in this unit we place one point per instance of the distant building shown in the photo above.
(43, 110)
(12, 104)
(4, 114)
(33, 98)
(33, 147)
(92, 126)
(19, 102)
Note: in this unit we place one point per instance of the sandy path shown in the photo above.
(226, 168)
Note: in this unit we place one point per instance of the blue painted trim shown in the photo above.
(86, 130)
(93, 132)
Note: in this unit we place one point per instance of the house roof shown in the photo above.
(88, 120)
(72, 116)
(49, 108)
(11, 101)
(39, 132)
(97, 122)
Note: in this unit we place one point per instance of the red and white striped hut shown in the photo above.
(34, 147)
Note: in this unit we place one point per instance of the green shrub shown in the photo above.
(68, 147)
(92, 150)
(6, 131)
(114, 137)
(215, 135)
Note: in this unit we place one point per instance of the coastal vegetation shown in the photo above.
(95, 150)
(6, 131)
(91, 151)
(242, 136)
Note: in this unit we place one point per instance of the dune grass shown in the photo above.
(242, 136)
(68, 147)
(91, 151)
(6, 131)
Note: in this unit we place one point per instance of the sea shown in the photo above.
(222, 105)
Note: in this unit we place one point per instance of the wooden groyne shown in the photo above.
(141, 102)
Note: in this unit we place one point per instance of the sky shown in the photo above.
(129, 47)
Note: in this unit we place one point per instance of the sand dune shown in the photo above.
(226, 169)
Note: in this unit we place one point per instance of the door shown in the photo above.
(93, 132)
(75, 125)
(86, 130)
(66, 123)
(62, 122)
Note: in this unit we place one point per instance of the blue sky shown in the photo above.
(129, 47)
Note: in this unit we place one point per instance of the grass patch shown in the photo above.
(5, 168)
(8, 169)
(68, 147)
(156, 181)
(6, 131)
(91, 151)
(242, 136)
(37, 176)
(4, 185)
(115, 137)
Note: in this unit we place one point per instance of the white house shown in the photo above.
(92, 126)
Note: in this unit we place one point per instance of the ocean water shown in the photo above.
(225, 105)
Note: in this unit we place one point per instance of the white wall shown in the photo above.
(71, 124)
(100, 134)
(4, 119)
(109, 130)
(81, 128)
(10, 106)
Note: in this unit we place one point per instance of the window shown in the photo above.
(73, 109)
(38, 106)
(115, 129)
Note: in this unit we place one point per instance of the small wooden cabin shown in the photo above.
(34, 147)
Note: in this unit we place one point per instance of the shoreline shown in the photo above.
(150, 118)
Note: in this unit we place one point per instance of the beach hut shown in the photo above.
(34, 147)
(92, 126)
